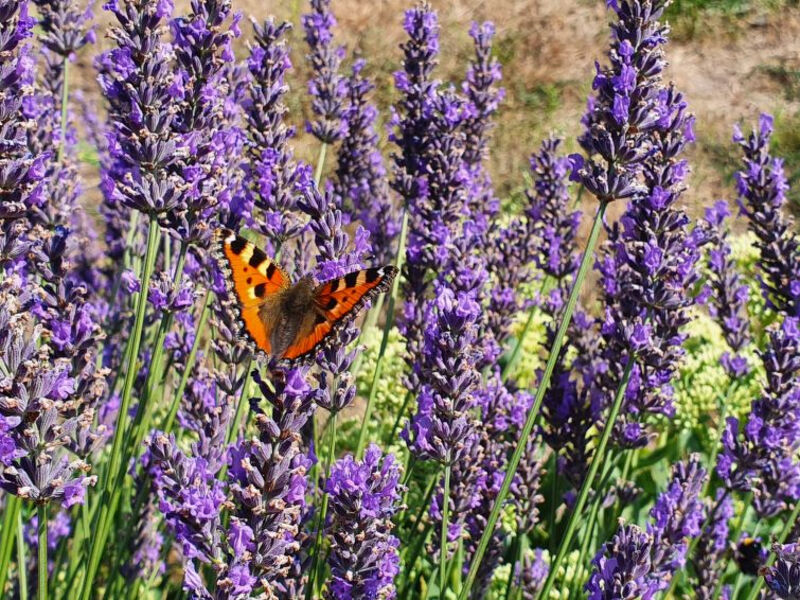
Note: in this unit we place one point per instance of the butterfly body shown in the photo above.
(291, 321)
(288, 312)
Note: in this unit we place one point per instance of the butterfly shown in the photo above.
(291, 321)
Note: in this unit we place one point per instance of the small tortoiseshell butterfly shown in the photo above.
(292, 321)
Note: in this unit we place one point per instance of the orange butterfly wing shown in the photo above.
(252, 278)
(338, 302)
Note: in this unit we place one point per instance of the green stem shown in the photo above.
(167, 258)
(176, 400)
(22, 561)
(241, 405)
(323, 150)
(10, 513)
(41, 566)
(736, 533)
(316, 564)
(511, 471)
(236, 425)
(591, 525)
(551, 520)
(600, 457)
(369, 323)
(416, 550)
(64, 104)
(144, 412)
(445, 525)
(108, 508)
(585, 543)
(711, 462)
(514, 358)
(787, 529)
(516, 553)
(133, 228)
(373, 388)
(400, 414)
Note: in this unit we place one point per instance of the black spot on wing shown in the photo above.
(238, 245)
(372, 274)
(320, 319)
(260, 290)
(331, 304)
(351, 279)
(334, 285)
(257, 258)
(271, 270)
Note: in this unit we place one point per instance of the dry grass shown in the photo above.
(730, 63)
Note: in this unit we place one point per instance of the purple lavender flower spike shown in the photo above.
(502, 416)
(327, 87)
(762, 457)
(783, 576)
(64, 27)
(204, 56)
(625, 107)
(545, 237)
(621, 570)
(443, 427)
(439, 241)
(636, 564)
(146, 560)
(762, 188)
(411, 123)
(531, 574)
(647, 273)
(727, 293)
(22, 188)
(712, 547)
(548, 216)
(39, 410)
(65, 309)
(677, 517)
(191, 499)
(364, 496)
(268, 476)
(412, 116)
(483, 98)
(165, 297)
(274, 180)
(63, 30)
(360, 180)
(139, 85)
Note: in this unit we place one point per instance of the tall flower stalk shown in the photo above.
(327, 87)
(137, 83)
(274, 179)
(365, 495)
(762, 188)
(621, 122)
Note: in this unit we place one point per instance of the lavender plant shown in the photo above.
(147, 449)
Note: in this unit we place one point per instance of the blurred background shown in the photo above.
(731, 58)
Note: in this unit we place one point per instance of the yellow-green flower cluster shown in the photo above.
(703, 384)
(389, 396)
(532, 354)
(569, 574)
(744, 252)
